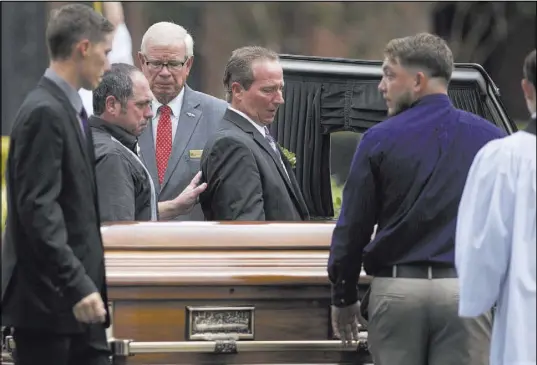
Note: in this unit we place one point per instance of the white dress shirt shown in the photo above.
(495, 245)
(175, 105)
(121, 53)
(257, 126)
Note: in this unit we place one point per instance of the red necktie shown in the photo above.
(164, 140)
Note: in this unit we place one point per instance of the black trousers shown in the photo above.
(45, 348)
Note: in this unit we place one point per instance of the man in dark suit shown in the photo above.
(183, 118)
(247, 174)
(53, 273)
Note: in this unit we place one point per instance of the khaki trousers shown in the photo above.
(416, 322)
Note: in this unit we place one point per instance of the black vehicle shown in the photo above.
(327, 95)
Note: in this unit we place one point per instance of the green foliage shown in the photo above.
(337, 196)
(291, 157)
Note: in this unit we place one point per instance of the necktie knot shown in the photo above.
(165, 110)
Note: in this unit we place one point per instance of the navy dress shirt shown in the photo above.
(407, 176)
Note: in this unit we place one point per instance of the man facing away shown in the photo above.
(407, 176)
(122, 103)
(495, 242)
(171, 147)
(53, 272)
(247, 174)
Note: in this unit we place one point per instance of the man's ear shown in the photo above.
(82, 47)
(237, 90)
(420, 82)
(141, 59)
(528, 89)
(110, 104)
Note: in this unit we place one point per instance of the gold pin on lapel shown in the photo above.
(195, 153)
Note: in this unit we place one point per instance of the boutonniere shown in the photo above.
(291, 157)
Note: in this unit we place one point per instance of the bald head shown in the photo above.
(164, 34)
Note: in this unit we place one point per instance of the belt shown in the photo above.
(417, 272)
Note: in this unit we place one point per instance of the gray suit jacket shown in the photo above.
(200, 115)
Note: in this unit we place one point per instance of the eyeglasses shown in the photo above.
(171, 65)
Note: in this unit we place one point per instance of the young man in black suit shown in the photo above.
(247, 174)
(53, 273)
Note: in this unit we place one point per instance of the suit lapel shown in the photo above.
(147, 150)
(294, 183)
(263, 143)
(83, 141)
(188, 120)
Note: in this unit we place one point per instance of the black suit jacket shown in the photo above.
(245, 178)
(52, 250)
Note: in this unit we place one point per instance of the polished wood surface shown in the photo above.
(217, 235)
(156, 270)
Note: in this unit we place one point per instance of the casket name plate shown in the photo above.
(210, 323)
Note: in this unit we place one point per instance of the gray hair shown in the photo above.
(239, 66)
(70, 24)
(167, 34)
(423, 51)
(116, 82)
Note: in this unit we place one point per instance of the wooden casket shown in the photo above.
(219, 293)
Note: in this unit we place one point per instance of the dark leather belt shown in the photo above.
(417, 272)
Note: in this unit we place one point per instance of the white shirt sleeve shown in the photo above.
(483, 237)
(121, 46)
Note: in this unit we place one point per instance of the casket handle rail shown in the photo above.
(125, 348)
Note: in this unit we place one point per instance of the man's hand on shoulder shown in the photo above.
(190, 196)
(184, 202)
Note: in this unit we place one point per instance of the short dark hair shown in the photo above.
(71, 23)
(529, 68)
(116, 82)
(425, 51)
(239, 66)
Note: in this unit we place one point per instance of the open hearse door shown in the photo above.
(255, 292)
(327, 95)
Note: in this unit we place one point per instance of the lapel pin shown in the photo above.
(190, 114)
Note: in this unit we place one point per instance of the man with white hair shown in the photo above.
(183, 118)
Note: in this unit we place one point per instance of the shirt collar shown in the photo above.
(432, 99)
(174, 104)
(257, 126)
(126, 139)
(72, 94)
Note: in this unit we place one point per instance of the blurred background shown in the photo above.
(497, 35)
